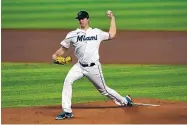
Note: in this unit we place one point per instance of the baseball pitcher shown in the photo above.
(86, 41)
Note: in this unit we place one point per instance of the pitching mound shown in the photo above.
(101, 112)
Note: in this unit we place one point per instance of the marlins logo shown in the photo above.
(84, 38)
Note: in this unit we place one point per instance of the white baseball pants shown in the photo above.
(95, 75)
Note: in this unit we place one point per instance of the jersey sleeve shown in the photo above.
(104, 35)
(67, 41)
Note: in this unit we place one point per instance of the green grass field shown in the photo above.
(130, 14)
(41, 84)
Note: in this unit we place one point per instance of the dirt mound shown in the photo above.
(101, 113)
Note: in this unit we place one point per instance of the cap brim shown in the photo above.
(81, 17)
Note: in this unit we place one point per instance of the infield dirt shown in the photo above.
(129, 47)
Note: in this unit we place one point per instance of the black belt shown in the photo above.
(87, 65)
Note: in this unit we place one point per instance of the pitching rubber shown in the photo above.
(144, 104)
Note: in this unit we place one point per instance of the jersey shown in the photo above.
(86, 43)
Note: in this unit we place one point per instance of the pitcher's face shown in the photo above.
(83, 22)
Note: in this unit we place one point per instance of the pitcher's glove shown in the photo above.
(68, 59)
(61, 60)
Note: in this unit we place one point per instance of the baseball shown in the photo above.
(109, 12)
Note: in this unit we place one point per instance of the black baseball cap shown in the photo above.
(82, 14)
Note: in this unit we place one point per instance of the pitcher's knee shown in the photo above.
(68, 82)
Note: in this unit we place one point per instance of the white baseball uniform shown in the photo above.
(86, 45)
